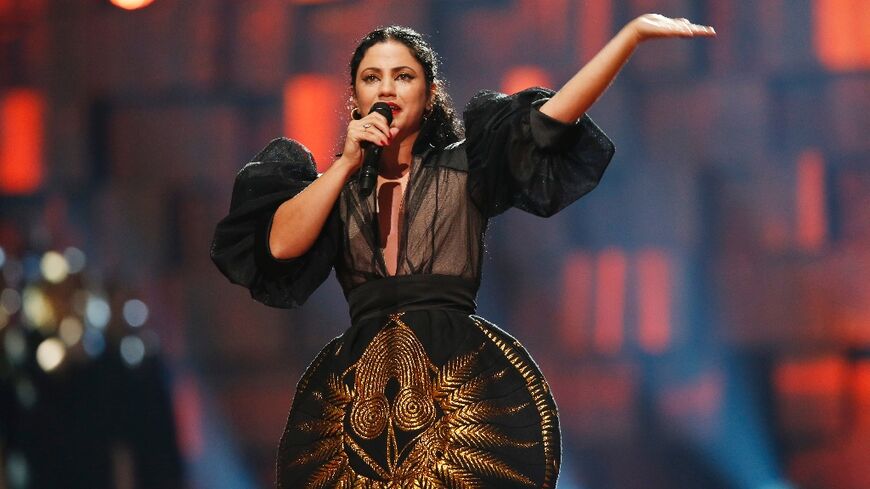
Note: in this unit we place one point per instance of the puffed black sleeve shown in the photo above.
(520, 157)
(240, 247)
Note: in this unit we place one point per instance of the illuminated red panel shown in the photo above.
(610, 271)
(312, 111)
(812, 222)
(576, 301)
(811, 396)
(821, 376)
(550, 17)
(187, 403)
(842, 33)
(861, 379)
(519, 78)
(655, 290)
(595, 29)
(21, 139)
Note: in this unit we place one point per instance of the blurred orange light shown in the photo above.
(576, 301)
(820, 376)
(595, 27)
(611, 270)
(311, 113)
(131, 4)
(842, 33)
(521, 77)
(21, 138)
(812, 221)
(655, 289)
(187, 404)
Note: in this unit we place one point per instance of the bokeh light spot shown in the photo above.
(75, 259)
(37, 309)
(15, 346)
(10, 301)
(13, 272)
(71, 330)
(54, 267)
(50, 354)
(132, 350)
(97, 312)
(135, 312)
(17, 470)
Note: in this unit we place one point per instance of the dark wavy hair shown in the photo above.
(441, 126)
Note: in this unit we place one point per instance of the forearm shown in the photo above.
(584, 88)
(298, 221)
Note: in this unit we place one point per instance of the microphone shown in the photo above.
(368, 173)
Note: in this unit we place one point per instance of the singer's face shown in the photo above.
(390, 73)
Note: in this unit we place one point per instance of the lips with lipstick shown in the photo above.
(394, 107)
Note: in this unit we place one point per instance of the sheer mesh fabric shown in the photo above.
(441, 231)
(514, 156)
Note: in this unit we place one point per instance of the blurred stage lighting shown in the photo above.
(97, 312)
(70, 330)
(17, 470)
(135, 312)
(38, 309)
(131, 4)
(50, 354)
(75, 259)
(10, 301)
(15, 347)
(54, 267)
(132, 350)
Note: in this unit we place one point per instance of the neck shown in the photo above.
(396, 158)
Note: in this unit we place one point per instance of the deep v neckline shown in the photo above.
(401, 223)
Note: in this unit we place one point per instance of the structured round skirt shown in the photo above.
(420, 392)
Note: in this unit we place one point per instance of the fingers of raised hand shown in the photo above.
(686, 28)
(656, 25)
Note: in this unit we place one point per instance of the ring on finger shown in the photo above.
(366, 126)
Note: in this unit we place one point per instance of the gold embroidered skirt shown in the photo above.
(428, 397)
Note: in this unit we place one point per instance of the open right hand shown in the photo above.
(655, 26)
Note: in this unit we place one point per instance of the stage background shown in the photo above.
(703, 316)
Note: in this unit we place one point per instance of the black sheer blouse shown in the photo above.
(513, 156)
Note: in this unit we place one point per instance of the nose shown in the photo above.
(387, 87)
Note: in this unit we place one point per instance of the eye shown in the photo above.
(370, 78)
(405, 76)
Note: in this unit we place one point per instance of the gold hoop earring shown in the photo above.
(355, 114)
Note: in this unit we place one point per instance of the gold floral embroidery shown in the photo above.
(396, 388)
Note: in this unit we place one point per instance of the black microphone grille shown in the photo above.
(384, 109)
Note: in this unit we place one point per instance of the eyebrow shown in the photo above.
(397, 68)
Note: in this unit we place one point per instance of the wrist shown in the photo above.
(632, 33)
(344, 166)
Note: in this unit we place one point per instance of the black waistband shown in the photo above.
(411, 292)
